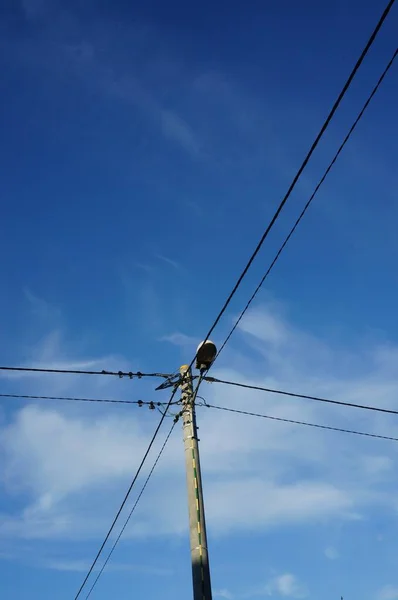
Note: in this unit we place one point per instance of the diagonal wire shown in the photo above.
(72, 399)
(127, 494)
(133, 508)
(306, 423)
(293, 395)
(120, 374)
(293, 229)
(304, 164)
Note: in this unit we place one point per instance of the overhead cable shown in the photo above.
(73, 399)
(294, 395)
(133, 508)
(252, 414)
(127, 493)
(120, 374)
(324, 176)
(304, 164)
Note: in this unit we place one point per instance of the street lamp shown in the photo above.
(205, 354)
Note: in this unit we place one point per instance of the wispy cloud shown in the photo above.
(40, 308)
(82, 566)
(144, 267)
(37, 428)
(287, 586)
(180, 339)
(313, 500)
(131, 89)
(331, 553)
(65, 45)
(54, 459)
(388, 592)
(264, 326)
(223, 593)
(176, 129)
(169, 261)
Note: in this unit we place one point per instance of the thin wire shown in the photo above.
(251, 414)
(133, 509)
(127, 494)
(304, 164)
(129, 374)
(30, 397)
(196, 390)
(204, 402)
(293, 395)
(293, 229)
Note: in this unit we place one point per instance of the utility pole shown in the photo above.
(197, 525)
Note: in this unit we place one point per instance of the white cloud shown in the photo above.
(223, 593)
(331, 553)
(82, 566)
(169, 261)
(54, 458)
(286, 349)
(265, 326)
(131, 90)
(176, 129)
(180, 339)
(388, 592)
(286, 585)
(378, 466)
(51, 351)
(73, 453)
(270, 504)
(67, 46)
(40, 308)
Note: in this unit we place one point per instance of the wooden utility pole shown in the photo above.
(197, 525)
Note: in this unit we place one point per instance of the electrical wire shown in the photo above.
(127, 493)
(306, 423)
(134, 507)
(293, 229)
(120, 374)
(304, 164)
(176, 417)
(293, 395)
(72, 399)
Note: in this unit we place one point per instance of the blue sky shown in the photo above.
(143, 151)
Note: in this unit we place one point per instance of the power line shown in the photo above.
(120, 374)
(304, 164)
(293, 229)
(293, 395)
(133, 508)
(127, 493)
(251, 414)
(72, 399)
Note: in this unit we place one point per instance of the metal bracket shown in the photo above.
(171, 381)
